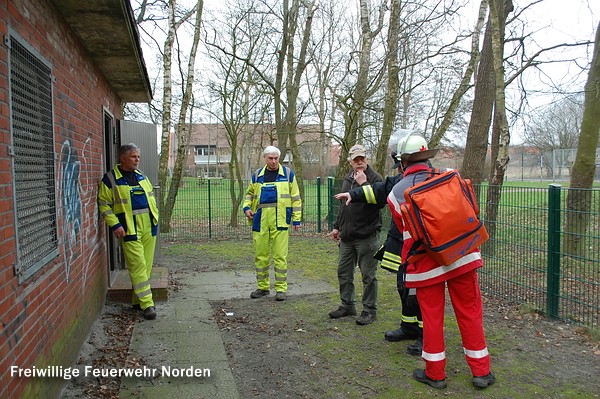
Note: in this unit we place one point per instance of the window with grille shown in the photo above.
(33, 158)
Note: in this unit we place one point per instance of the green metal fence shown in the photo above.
(524, 259)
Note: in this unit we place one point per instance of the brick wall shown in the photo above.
(45, 319)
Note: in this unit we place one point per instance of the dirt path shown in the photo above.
(292, 349)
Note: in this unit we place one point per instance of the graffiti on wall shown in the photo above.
(70, 201)
(78, 182)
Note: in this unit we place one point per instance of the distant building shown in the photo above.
(209, 152)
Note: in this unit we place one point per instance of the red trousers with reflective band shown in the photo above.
(466, 301)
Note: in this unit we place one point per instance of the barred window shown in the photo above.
(33, 159)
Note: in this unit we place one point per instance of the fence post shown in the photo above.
(209, 211)
(553, 279)
(319, 203)
(330, 202)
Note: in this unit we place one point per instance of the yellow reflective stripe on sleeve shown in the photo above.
(106, 213)
(392, 257)
(369, 194)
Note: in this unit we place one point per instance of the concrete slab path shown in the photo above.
(185, 339)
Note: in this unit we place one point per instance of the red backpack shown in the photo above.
(442, 215)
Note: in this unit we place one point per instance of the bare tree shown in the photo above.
(182, 131)
(324, 50)
(295, 70)
(236, 89)
(500, 132)
(390, 107)
(579, 197)
(465, 81)
(555, 127)
(367, 83)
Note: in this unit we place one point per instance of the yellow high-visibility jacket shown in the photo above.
(114, 202)
(283, 194)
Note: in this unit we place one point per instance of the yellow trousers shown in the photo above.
(270, 242)
(139, 256)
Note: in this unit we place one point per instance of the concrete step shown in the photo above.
(120, 289)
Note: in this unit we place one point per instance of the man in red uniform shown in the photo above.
(430, 280)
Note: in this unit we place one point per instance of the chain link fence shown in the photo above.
(526, 261)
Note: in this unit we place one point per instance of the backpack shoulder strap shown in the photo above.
(433, 172)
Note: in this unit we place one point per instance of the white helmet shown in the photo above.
(413, 148)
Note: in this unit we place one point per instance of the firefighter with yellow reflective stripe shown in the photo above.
(126, 202)
(390, 256)
(272, 205)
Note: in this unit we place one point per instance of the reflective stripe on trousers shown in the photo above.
(270, 242)
(466, 301)
(139, 256)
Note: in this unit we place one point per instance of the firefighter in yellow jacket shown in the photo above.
(127, 203)
(272, 205)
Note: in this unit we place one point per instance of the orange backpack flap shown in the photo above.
(442, 213)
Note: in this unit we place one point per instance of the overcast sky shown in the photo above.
(551, 22)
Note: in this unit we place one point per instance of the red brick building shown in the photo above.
(209, 151)
(66, 68)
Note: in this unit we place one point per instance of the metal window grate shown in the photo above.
(33, 161)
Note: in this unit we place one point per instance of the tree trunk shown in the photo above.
(355, 101)
(501, 134)
(293, 82)
(584, 167)
(477, 135)
(390, 107)
(183, 130)
(437, 137)
(165, 148)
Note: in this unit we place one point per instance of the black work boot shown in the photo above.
(415, 349)
(280, 296)
(484, 382)
(150, 313)
(398, 335)
(341, 312)
(366, 318)
(419, 375)
(259, 293)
